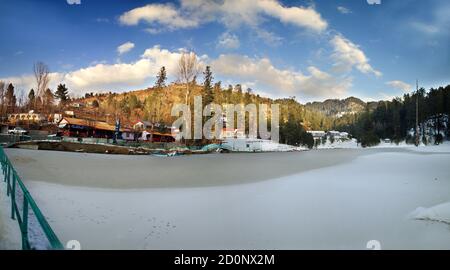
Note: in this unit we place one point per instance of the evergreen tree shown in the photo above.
(48, 100)
(62, 94)
(95, 104)
(31, 98)
(10, 98)
(207, 91)
(161, 78)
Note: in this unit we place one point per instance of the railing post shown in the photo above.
(8, 183)
(13, 196)
(24, 227)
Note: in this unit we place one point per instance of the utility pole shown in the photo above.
(417, 113)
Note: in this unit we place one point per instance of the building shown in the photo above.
(232, 133)
(337, 135)
(128, 135)
(154, 136)
(75, 127)
(77, 105)
(142, 125)
(30, 117)
(317, 134)
(57, 117)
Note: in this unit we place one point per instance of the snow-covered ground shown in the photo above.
(353, 144)
(440, 213)
(9, 229)
(339, 144)
(379, 195)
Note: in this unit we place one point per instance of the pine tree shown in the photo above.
(10, 98)
(48, 100)
(207, 91)
(62, 94)
(161, 78)
(95, 104)
(31, 99)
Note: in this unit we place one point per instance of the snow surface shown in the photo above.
(440, 212)
(339, 144)
(337, 207)
(9, 229)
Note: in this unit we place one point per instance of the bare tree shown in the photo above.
(41, 74)
(188, 69)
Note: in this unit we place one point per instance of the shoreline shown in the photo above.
(134, 172)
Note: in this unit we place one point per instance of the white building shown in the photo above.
(317, 134)
(31, 116)
(233, 133)
(142, 125)
(256, 145)
(337, 135)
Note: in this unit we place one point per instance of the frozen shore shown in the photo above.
(132, 172)
(341, 199)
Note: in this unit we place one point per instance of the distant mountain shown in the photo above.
(338, 107)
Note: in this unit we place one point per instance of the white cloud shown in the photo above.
(344, 10)
(154, 31)
(126, 47)
(259, 73)
(228, 41)
(348, 55)
(299, 16)
(231, 13)
(74, 2)
(436, 24)
(164, 14)
(111, 77)
(425, 28)
(399, 85)
(279, 82)
(269, 37)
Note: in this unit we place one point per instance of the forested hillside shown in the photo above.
(338, 107)
(396, 119)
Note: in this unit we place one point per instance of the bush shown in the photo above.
(438, 139)
(369, 139)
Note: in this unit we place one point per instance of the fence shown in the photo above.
(13, 138)
(35, 231)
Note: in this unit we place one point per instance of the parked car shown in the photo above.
(17, 131)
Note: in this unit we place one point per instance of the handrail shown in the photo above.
(13, 181)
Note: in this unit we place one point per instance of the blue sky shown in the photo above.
(309, 49)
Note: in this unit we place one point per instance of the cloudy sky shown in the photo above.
(311, 49)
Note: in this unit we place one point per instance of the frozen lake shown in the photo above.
(327, 199)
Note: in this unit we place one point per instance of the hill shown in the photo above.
(338, 107)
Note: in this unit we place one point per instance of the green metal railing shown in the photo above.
(35, 231)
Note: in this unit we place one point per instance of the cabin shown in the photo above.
(154, 136)
(85, 128)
